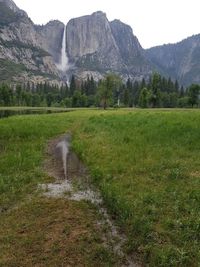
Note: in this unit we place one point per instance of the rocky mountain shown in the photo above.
(51, 38)
(89, 45)
(12, 6)
(24, 52)
(181, 61)
(94, 46)
(97, 46)
(130, 49)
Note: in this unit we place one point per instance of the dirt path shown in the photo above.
(72, 182)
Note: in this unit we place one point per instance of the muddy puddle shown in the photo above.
(72, 181)
(71, 177)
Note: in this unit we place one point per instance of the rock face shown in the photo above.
(12, 6)
(97, 45)
(127, 43)
(180, 61)
(90, 41)
(51, 41)
(94, 47)
(130, 49)
(22, 45)
(89, 34)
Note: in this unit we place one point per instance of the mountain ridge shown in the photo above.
(179, 60)
(94, 46)
(93, 43)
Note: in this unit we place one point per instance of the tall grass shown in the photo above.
(147, 166)
(34, 230)
(22, 145)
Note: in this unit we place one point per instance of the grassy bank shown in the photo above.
(22, 144)
(35, 231)
(147, 166)
(145, 162)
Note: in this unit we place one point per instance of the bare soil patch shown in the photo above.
(77, 186)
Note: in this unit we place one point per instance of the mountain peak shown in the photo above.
(12, 6)
(54, 22)
(120, 24)
(99, 13)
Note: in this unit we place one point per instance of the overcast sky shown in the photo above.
(154, 22)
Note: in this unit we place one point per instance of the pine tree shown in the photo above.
(193, 93)
(155, 90)
(144, 98)
(72, 87)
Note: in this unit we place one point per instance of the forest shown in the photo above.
(156, 92)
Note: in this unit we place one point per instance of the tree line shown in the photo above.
(111, 91)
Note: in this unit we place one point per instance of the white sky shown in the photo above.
(154, 22)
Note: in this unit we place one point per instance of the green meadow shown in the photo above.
(146, 165)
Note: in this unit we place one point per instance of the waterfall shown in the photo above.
(63, 65)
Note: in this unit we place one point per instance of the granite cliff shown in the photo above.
(23, 50)
(92, 46)
(179, 61)
(51, 36)
(97, 46)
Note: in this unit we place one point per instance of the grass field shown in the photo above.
(145, 162)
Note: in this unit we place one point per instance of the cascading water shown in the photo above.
(63, 65)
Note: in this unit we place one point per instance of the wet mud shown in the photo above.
(72, 181)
